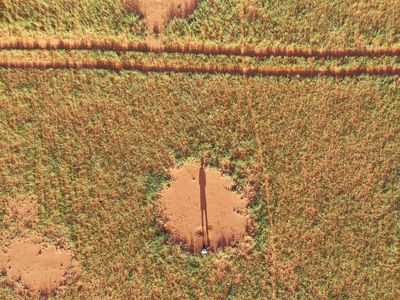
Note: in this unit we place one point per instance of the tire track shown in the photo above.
(260, 154)
(260, 159)
(190, 48)
(118, 66)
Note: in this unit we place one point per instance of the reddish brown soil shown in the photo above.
(158, 12)
(39, 268)
(196, 199)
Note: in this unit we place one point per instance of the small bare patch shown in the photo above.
(158, 12)
(201, 210)
(3, 263)
(40, 268)
(22, 210)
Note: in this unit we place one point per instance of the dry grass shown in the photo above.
(346, 24)
(93, 147)
(335, 172)
(318, 156)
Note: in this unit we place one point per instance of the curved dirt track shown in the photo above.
(190, 48)
(118, 66)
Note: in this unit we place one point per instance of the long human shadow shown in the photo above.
(203, 205)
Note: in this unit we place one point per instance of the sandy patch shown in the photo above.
(39, 267)
(158, 12)
(32, 266)
(22, 210)
(201, 210)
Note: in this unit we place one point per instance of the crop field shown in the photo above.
(114, 113)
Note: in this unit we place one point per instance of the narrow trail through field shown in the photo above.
(265, 179)
(261, 164)
(259, 157)
(243, 4)
(117, 66)
(190, 48)
(155, 46)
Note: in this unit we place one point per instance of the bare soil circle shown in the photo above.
(158, 12)
(40, 268)
(201, 210)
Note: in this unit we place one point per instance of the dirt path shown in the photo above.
(117, 66)
(260, 154)
(189, 48)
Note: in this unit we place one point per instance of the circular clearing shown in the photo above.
(158, 12)
(39, 267)
(201, 210)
